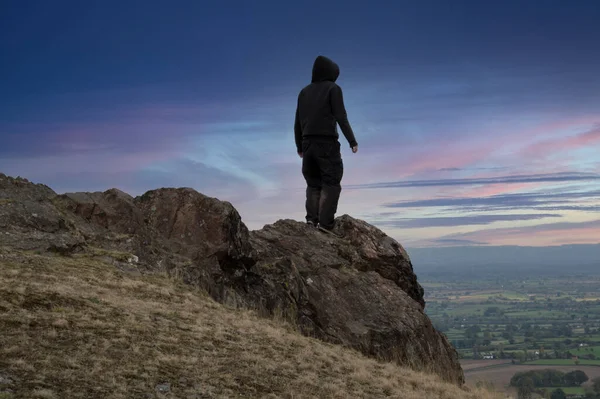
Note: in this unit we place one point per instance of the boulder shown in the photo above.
(195, 225)
(359, 291)
(30, 221)
(113, 210)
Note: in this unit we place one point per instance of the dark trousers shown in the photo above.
(322, 168)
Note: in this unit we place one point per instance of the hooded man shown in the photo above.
(320, 108)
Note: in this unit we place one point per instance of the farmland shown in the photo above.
(501, 325)
(499, 376)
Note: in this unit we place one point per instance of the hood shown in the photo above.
(325, 69)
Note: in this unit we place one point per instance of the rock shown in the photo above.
(112, 209)
(163, 388)
(6, 384)
(195, 225)
(359, 291)
(29, 219)
(66, 246)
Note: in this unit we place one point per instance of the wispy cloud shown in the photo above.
(564, 144)
(516, 200)
(534, 178)
(441, 221)
(457, 242)
(542, 234)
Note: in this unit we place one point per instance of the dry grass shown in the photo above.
(79, 328)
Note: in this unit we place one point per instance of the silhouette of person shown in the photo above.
(320, 108)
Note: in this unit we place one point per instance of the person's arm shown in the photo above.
(298, 128)
(339, 112)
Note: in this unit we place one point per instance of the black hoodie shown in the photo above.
(321, 105)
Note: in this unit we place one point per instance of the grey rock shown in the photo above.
(163, 388)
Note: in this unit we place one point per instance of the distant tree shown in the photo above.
(558, 394)
(522, 357)
(472, 331)
(526, 388)
(493, 311)
(575, 378)
(596, 385)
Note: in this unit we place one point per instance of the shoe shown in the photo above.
(311, 224)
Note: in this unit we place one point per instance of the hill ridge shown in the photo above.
(359, 292)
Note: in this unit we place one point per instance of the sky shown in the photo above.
(478, 122)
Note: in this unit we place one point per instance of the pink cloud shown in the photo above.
(538, 235)
(565, 144)
(487, 146)
(496, 189)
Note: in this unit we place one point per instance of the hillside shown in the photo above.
(108, 290)
(77, 327)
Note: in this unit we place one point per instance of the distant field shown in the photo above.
(432, 285)
(570, 390)
(586, 351)
(466, 310)
(565, 362)
(515, 296)
(551, 314)
(560, 307)
(500, 375)
(469, 364)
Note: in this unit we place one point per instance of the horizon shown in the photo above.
(470, 134)
(452, 247)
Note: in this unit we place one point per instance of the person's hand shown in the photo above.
(355, 149)
(300, 154)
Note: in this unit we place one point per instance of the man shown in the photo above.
(320, 108)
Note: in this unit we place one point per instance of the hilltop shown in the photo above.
(119, 293)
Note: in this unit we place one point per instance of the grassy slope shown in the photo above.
(79, 328)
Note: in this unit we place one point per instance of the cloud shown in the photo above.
(442, 221)
(586, 232)
(204, 178)
(449, 169)
(511, 201)
(577, 208)
(563, 144)
(447, 144)
(457, 242)
(109, 137)
(535, 178)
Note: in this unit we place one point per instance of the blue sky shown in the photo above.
(478, 122)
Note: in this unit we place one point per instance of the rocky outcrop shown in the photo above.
(359, 291)
(29, 220)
